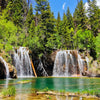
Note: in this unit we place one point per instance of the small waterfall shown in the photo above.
(41, 68)
(81, 64)
(6, 67)
(68, 63)
(61, 64)
(22, 62)
(87, 60)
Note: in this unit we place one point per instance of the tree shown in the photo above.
(97, 43)
(65, 33)
(58, 21)
(94, 16)
(15, 11)
(8, 37)
(46, 23)
(30, 19)
(80, 18)
(70, 19)
(84, 39)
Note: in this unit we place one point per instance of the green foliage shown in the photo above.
(84, 39)
(45, 89)
(80, 18)
(70, 19)
(67, 34)
(94, 16)
(11, 91)
(30, 19)
(90, 92)
(8, 35)
(16, 11)
(42, 33)
(97, 43)
(62, 91)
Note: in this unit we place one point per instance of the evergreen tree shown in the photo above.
(58, 21)
(70, 19)
(46, 23)
(30, 19)
(80, 18)
(94, 16)
(65, 33)
(15, 11)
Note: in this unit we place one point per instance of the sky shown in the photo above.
(61, 6)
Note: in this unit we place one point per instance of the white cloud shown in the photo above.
(86, 5)
(63, 7)
(98, 4)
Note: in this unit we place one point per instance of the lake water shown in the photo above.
(67, 84)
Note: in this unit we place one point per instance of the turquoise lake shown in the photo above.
(67, 84)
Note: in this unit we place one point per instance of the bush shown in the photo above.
(10, 91)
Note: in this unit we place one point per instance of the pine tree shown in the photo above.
(30, 18)
(65, 33)
(70, 19)
(15, 11)
(80, 18)
(94, 16)
(46, 23)
(58, 21)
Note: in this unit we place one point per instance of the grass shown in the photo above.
(10, 91)
(95, 92)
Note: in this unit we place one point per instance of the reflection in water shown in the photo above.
(67, 84)
(20, 90)
(6, 82)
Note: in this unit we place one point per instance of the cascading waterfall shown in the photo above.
(61, 64)
(68, 63)
(41, 68)
(22, 62)
(81, 64)
(6, 67)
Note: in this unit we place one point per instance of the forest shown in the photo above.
(42, 33)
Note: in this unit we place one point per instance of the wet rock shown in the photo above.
(2, 70)
(12, 71)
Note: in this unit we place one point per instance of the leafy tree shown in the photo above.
(97, 43)
(15, 11)
(84, 39)
(8, 33)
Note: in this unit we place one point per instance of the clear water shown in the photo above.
(67, 84)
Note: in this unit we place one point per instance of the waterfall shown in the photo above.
(6, 67)
(41, 68)
(22, 62)
(68, 63)
(61, 64)
(81, 64)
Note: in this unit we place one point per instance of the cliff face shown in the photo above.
(2, 70)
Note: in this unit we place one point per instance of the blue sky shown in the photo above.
(61, 6)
